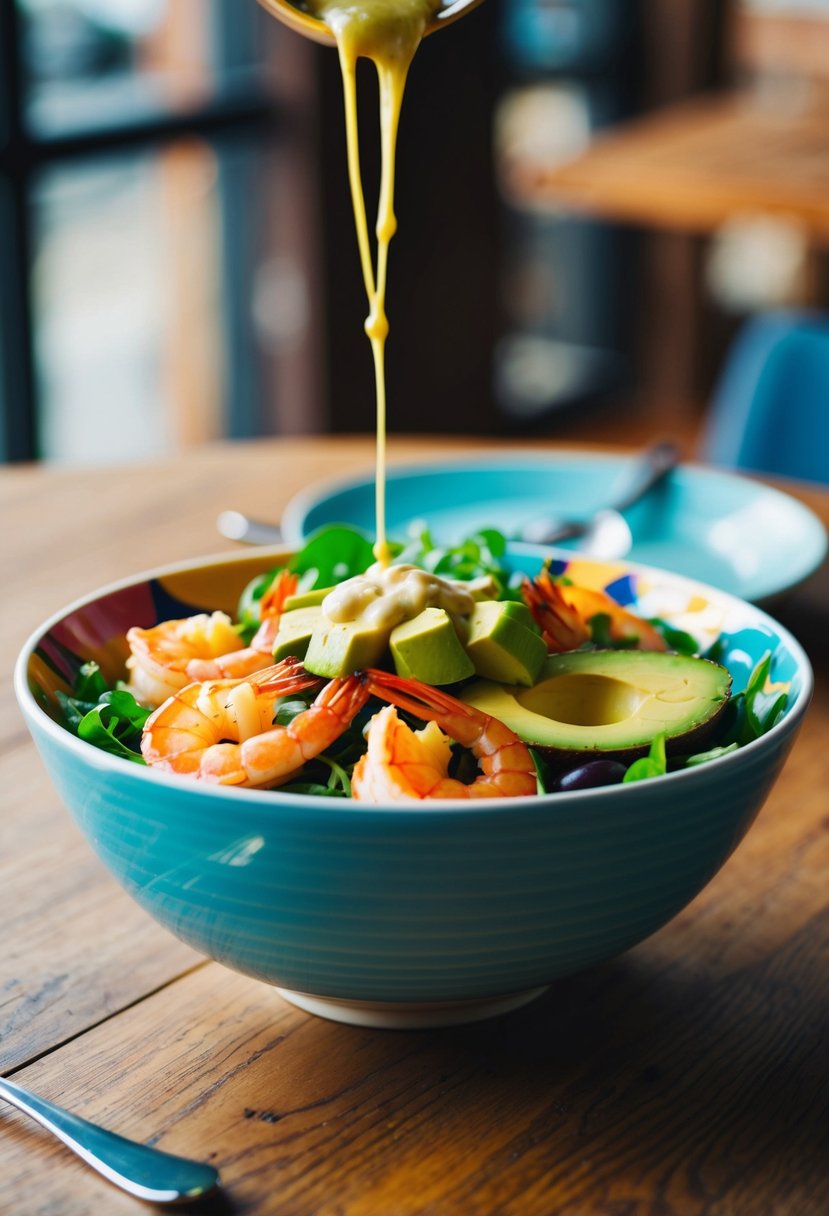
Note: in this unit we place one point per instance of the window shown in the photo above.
(154, 284)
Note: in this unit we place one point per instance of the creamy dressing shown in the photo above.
(388, 32)
(386, 596)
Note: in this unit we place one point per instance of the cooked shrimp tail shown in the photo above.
(259, 654)
(223, 731)
(566, 615)
(402, 764)
(169, 656)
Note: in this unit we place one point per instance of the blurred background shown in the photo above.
(595, 197)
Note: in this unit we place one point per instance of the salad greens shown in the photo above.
(110, 718)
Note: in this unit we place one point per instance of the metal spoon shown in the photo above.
(601, 530)
(298, 19)
(142, 1171)
(604, 533)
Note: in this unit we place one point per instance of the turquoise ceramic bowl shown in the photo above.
(413, 915)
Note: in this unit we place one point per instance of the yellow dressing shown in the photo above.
(386, 596)
(388, 32)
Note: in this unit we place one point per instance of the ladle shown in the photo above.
(298, 19)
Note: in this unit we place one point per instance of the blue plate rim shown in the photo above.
(811, 551)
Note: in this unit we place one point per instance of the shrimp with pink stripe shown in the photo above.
(173, 654)
(402, 764)
(222, 731)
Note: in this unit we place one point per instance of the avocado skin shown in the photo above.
(566, 745)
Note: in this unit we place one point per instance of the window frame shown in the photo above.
(245, 109)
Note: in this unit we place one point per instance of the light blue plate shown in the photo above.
(721, 528)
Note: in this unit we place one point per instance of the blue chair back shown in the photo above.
(770, 411)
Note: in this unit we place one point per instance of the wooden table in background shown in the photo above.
(693, 166)
(688, 1077)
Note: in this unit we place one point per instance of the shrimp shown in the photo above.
(222, 731)
(173, 654)
(402, 764)
(565, 612)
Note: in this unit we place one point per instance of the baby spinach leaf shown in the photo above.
(652, 765)
(677, 639)
(713, 753)
(333, 554)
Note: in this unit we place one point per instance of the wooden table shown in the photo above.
(689, 1076)
(693, 166)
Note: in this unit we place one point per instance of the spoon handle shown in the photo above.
(655, 463)
(145, 1172)
(236, 526)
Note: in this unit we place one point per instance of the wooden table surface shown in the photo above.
(689, 1076)
(693, 166)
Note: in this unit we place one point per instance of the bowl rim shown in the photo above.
(34, 713)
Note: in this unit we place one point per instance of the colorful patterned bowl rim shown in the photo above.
(267, 558)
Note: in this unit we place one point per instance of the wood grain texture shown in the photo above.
(690, 1077)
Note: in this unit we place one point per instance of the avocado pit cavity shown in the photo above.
(610, 704)
(584, 699)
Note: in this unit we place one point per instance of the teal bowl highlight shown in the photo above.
(412, 915)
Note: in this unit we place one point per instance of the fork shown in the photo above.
(142, 1171)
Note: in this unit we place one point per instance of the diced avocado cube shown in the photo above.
(427, 648)
(519, 612)
(340, 650)
(295, 629)
(306, 599)
(501, 647)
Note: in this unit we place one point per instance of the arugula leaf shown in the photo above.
(478, 556)
(652, 765)
(109, 718)
(89, 683)
(756, 709)
(115, 725)
(338, 784)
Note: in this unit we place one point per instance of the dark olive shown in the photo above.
(592, 774)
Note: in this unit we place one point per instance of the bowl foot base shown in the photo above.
(394, 1015)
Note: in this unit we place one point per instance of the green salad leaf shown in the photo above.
(108, 718)
(755, 710)
(653, 765)
(331, 555)
(600, 633)
(478, 556)
(713, 753)
(677, 639)
(542, 779)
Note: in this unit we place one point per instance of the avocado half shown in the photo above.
(589, 704)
